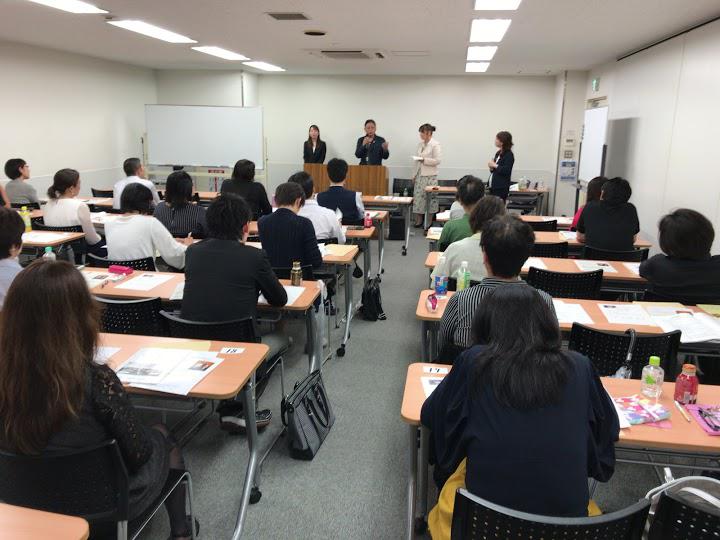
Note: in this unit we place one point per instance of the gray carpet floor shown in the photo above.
(355, 487)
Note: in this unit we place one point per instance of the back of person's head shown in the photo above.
(522, 364)
(594, 188)
(507, 242)
(63, 180)
(286, 194)
(337, 170)
(489, 207)
(244, 170)
(686, 234)
(178, 188)
(12, 228)
(226, 217)
(131, 166)
(470, 189)
(505, 138)
(305, 181)
(616, 191)
(43, 359)
(136, 198)
(13, 166)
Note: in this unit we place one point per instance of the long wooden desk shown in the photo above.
(390, 202)
(41, 239)
(19, 523)
(367, 179)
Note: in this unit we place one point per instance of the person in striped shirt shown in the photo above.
(178, 212)
(506, 244)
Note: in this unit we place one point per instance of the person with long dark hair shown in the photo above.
(501, 165)
(54, 397)
(612, 222)
(314, 148)
(529, 422)
(592, 193)
(178, 212)
(243, 183)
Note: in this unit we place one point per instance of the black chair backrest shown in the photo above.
(243, 330)
(327, 240)
(147, 264)
(557, 250)
(476, 518)
(595, 254)
(101, 193)
(284, 273)
(29, 206)
(608, 350)
(91, 482)
(676, 519)
(543, 225)
(399, 184)
(447, 183)
(38, 226)
(566, 284)
(140, 317)
(452, 283)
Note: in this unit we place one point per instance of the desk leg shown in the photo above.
(433, 341)
(381, 245)
(412, 482)
(407, 210)
(423, 480)
(250, 490)
(366, 259)
(314, 341)
(348, 309)
(425, 329)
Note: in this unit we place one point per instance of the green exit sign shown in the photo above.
(596, 84)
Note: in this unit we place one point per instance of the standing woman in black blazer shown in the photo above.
(314, 148)
(501, 166)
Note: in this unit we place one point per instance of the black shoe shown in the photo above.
(418, 225)
(236, 423)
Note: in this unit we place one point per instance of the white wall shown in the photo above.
(467, 111)
(190, 87)
(65, 110)
(665, 124)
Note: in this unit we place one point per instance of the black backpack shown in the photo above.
(371, 308)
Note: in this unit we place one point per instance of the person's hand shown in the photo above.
(385, 145)
(492, 164)
(188, 240)
(366, 141)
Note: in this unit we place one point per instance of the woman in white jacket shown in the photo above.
(427, 159)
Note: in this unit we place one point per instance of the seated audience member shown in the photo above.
(517, 410)
(138, 234)
(592, 193)
(177, 212)
(135, 174)
(468, 249)
(287, 237)
(506, 244)
(242, 183)
(686, 273)
(223, 279)
(324, 220)
(337, 197)
(4, 201)
(55, 398)
(469, 191)
(18, 190)
(612, 222)
(11, 231)
(456, 209)
(63, 209)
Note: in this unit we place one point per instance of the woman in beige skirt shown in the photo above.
(427, 159)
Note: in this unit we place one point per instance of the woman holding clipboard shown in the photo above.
(501, 165)
(427, 158)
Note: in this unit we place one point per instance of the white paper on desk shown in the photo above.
(430, 384)
(384, 197)
(571, 313)
(179, 291)
(144, 282)
(373, 214)
(189, 369)
(631, 314)
(93, 279)
(591, 266)
(434, 230)
(514, 187)
(149, 365)
(695, 327)
(43, 237)
(103, 354)
(323, 247)
(443, 215)
(624, 423)
(535, 263)
(569, 235)
(293, 293)
(634, 267)
(436, 370)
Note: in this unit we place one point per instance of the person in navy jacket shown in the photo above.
(501, 165)
(371, 149)
(314, 148)
(337, 197)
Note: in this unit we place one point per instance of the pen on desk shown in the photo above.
(682, 411)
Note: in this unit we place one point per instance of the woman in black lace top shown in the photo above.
(54, 397)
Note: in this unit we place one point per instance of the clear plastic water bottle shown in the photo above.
(49, 254)
(463, 276)
(441, 277)
(652, 378)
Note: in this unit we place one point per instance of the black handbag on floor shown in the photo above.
(371, 308)
(308, 417)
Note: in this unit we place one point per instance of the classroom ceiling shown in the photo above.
(416, 37)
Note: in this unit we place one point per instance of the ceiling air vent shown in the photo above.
(348, 55)
(289, 16)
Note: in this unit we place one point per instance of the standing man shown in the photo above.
(371, 149)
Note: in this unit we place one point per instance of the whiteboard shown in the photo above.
(203, 136)
(593, 141)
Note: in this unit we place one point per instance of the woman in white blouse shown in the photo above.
(64, 210)
(138, 235)
(427, 159)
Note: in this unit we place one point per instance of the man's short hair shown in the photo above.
(305, 181)
(227, 215)
(337, 170)
(13, 166)
(686, 234)
(507, 242)
(470, 190)
(616, 191)
(131, 166)
(286, 194)
(12, 228)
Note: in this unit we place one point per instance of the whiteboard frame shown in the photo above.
(602, 149)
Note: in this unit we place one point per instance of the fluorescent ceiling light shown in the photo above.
(477, 52)
(152, 31)
(73, 6)
(488, 30)
(496, 5)
(220, 53)
(476, 67)
(263, 66)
